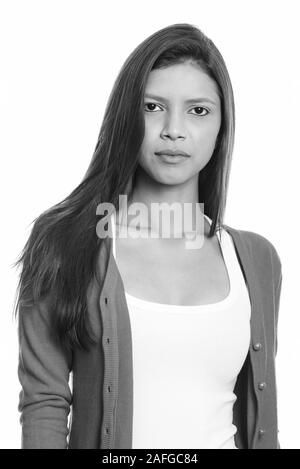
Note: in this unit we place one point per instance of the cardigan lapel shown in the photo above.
(246, 261)
(246, 258)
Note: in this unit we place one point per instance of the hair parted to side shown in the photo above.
(60, 257)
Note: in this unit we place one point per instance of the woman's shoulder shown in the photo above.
(258, 244)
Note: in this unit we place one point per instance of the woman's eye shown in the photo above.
(202, 109)
(150, 104)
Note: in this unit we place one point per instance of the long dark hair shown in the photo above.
(60, 256)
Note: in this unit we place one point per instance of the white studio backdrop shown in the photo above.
(59, 60)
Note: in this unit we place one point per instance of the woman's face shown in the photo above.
(182, 112)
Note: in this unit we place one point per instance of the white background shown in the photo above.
(59, 60)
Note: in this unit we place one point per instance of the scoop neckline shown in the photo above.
(168, 307)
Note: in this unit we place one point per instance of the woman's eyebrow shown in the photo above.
(187, 101)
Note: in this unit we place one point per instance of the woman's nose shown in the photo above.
(174, 126)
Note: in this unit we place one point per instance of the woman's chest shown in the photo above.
(167, 272)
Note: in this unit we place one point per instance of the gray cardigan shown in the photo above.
(102, 396)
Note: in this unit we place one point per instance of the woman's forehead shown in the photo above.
(181, 82)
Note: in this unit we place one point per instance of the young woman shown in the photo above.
(169, 344)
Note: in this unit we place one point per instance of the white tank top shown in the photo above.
(186, 360)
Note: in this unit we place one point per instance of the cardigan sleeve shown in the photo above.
(277, 305)
(277, 269)
(278, 285)
(43, 372)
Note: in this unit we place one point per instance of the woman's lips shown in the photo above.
(171, 159)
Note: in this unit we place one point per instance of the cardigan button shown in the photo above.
(257, 346)
(261, 432)
(261, 386)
